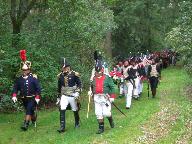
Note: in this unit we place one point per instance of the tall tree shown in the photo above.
(19, 12)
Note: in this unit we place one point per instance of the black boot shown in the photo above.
(25, 125)
(62, 121)
(76, 115)
(101, 128)
(153, 93)
(33, 120)
(111, 122)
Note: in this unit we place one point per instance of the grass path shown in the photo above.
(165, 119)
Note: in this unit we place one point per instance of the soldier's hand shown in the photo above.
(58, 100)
(90, 93)
(76, 95)
(115, 77)
(37, 101)
(122, 79)
(14, 99)
(111, 99)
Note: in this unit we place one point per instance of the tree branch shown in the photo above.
(22, 8)
(25, 8)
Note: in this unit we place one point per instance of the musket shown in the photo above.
(118, 109)
(148, 87)
(112, 103)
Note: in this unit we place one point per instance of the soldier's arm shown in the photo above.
(143, 71)
(78, 81)
(59, 87)
(159, 71)
(111, 87)
(15, 88)
(37, 88)
(148, 71)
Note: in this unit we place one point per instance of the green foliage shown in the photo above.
(142, 25)
(180, 36)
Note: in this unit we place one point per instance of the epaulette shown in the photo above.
(76, 73)
(34, 75)
(59, 74)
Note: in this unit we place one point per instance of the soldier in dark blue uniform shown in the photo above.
(69, 87)
(28, 86)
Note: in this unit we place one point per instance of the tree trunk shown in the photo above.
(16, 35)
(18, 16)
(107, 44)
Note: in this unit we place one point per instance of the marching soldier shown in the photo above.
(136, 79)
(120, 84)
(29, 88)
(154, 73)
(124, 88)
(69, 86)
(142, 75)
(103, 94)
(129, 82)
(115, 75)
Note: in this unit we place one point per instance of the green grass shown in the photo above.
(127, 129)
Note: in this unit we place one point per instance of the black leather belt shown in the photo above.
(68, 95)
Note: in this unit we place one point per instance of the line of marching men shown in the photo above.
(129, 75)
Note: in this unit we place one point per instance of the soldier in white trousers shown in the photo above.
(103, 90)
(69, 87)
(128, 82)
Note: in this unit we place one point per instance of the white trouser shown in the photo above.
(136, 89)
(125, 88)
(102, 106)
(140, 86)
(65, 100)
(129, 94)
(121, 89)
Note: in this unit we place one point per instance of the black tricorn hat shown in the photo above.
(63, 62)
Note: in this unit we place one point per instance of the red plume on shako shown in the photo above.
(23, 55)
(25, 65)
